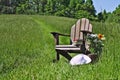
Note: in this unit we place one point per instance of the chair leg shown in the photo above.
(58, 56)
(63, 53)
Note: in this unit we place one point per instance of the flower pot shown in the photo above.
(94, 57)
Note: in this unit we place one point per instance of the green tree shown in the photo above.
(5, 6)
(117, 11)
(116, 14)
(75, 6)
(102, 16)
(57, 7)
(69, 8)
(82, 14)
(90, 2)
(79, 5)
(37, 2)
(85, 9)
(50, 7)
(43, 3)
(72, 4)
(61, 7)
(90, 7)
(40, 5)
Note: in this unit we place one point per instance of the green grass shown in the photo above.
(27, 50)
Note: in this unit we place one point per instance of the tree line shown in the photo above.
(65, 8)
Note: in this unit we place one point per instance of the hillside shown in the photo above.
(27, 50)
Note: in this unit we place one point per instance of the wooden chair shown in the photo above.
(78, 32)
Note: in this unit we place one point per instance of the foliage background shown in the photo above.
(65, 8)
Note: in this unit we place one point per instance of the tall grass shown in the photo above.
(27, 50)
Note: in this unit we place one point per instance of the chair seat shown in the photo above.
(66, 46)
(67, 49)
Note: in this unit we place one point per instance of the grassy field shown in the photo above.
(27, 50)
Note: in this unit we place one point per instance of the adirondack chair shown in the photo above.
(78, 32)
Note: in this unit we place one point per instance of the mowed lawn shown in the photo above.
(27, 50)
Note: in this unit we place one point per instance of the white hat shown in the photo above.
(80, 59)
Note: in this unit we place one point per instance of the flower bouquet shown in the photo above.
(96, 41)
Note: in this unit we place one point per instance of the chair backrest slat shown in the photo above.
(77, 27)
(90, 28)
(86, 25)
(73, 33)
(81, 25)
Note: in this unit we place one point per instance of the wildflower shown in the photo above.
(100, 36)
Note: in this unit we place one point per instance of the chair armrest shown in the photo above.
(56, 36)
(56, 33)
(85, 32)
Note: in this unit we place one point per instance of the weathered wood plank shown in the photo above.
(81, 36)
(86, 25)
(68, 48)
(90, 28)
(83, 24)
(77, 32)
(65, 46)
(73, 33)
